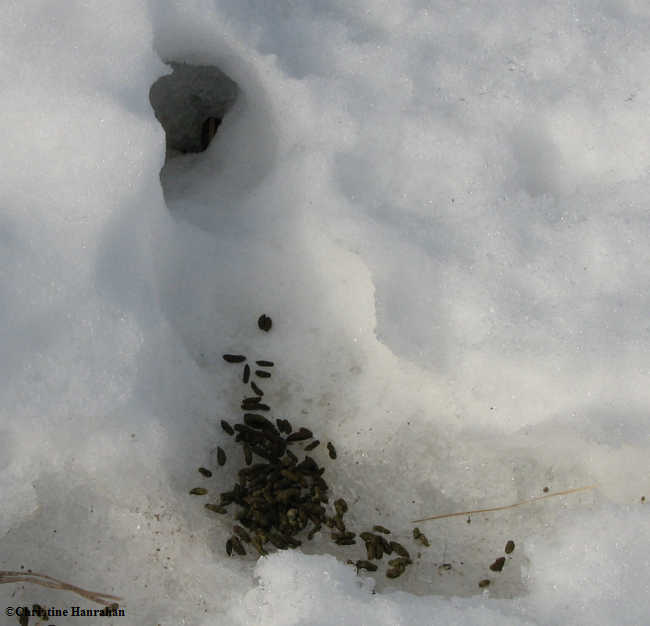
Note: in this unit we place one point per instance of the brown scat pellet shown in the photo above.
(237, 546)
(227, 427)
(400, 549)
(242, 533)
(394, 572)
(312, 445)
(484, 583)
(370, 550)
(247, 373)
(510, 547)
(198, 491)
(341, 507)
(257, 421)
(234, 358)
(256, 389)
(264, 322)
(331, 449)
(367, 565)
(366, 536)
(256, 406)
(345, 542)
(545, 490)
(221, 456)
(265, 363)
(206, 472)
(216, 508)
(300, 435)
(248, 455)
(419, 536)
(400, 561)
(380, 529)
(497, 566)
(262, 374)
(229, 547)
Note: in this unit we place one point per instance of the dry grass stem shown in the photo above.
(47, 581)
(503, 508)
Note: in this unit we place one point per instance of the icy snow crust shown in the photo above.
(443, 209)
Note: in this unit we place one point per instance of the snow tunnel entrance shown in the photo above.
(190, 104)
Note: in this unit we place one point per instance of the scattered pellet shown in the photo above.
(227, 427)
(265, 323)
(300, 435)
(248, 455)
(256, 389)
(380, 529)
(265, 363)
(484, 583)
(247, 373)
(497, 566)
(216, 508)
(234, 358)
(198, 491)
(206, 472)
(400, 549)
(221, 456)
(367, 565)
(418, 535)
(312, 445)
(262, 374)
(229, 547)
(331, 449)
(510, 546)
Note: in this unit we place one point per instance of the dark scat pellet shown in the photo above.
(257, 421)
(227, 427)
(248, 455)
(367, 565)
(510, 546)
(206, 472)
(345, 542)
(484, 583)
(229, 547)
(265, 363)
(198, 491)
(234, 358)
(497, 566)
(262, 374)
(265, 323)
(256, 389)
(247, 373)
(221, 456)
(215, 508)
(312, 445)
(242, 533)
(400, 549)
(381, 529)
(237, 546)
(300, 435)
(331, 449)
(394, 572)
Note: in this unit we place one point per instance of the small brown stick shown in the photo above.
(47, 581)
(508, 506)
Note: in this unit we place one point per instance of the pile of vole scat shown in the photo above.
(280, 496)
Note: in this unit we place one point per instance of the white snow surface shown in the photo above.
(442, 206)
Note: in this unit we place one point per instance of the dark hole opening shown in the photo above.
(190, 104)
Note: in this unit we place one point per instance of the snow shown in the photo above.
(443, 208)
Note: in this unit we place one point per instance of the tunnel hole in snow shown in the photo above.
(190, 104)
